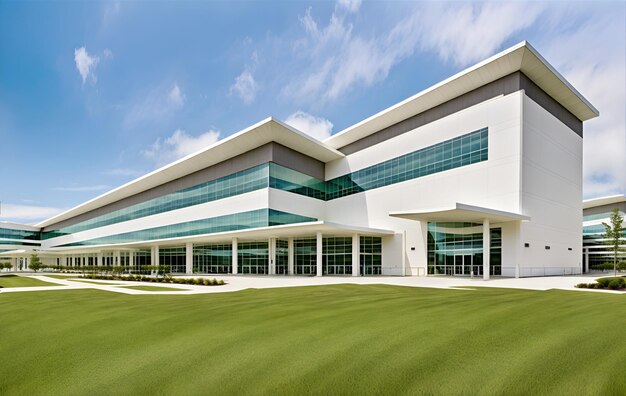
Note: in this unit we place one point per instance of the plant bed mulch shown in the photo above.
(609, 283)
(151, 279)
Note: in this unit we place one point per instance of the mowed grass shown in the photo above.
(152, 288)
(22, 281)
(324, 340)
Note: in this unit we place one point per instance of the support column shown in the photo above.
(486, 248)
(356, 255)
(14, 263)
(586, 269)
(116, 258)
(189, 258)
(272, 256)
(318, 253)
(234, 258)
(290, 259)
(98, 260)
(131, 261)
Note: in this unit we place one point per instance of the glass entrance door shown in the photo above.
(463, 265)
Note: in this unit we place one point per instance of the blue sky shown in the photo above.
(94, 94)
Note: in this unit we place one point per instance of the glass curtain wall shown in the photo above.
(304, 256)
(456, 248)
(371, 260)
(252, 257)
(282, 257)
(214, 258)
(337, 256)
(174, 258)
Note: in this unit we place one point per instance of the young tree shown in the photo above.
(613, 235)
(35, 263)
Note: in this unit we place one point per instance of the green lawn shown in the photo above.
(21, 281)
(325, 340)
(152, 288)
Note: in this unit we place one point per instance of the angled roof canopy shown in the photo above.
(521, 57)
(613, 199)
(460, 213)
(268, 130)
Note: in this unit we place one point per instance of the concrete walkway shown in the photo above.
(237, 283)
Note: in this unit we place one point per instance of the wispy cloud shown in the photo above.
(23, 213)
(245, 86)
(111, 10)
(97, 187)
(341, 58)
(349, 5)
(86, 64)
(158, 104)
(317, 127)
(598, 73)
(178, 145)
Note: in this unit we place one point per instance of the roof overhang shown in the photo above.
(460, 213)
(261, 233)
(18, 226)
(613, 199)
(521, 57)
(266, 131)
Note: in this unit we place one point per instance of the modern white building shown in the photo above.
(597, 211)
(479, 175)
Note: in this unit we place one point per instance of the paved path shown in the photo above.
(237, 283)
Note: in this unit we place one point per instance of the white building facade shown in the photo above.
(479, 175)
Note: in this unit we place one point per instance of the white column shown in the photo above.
(131, 261)
(116, 258)
(189, 258)
(587, 259)
(290, 259)
(356, 255)
(272, 256)
(486, 249)
(14, 263)
(154, 255)
(234, 256)
(98, 259)
(318, 251)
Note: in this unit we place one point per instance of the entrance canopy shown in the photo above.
(460, 212)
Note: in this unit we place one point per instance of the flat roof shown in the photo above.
(601, 201)
(266, 131)
(520, 57)
(460, 213)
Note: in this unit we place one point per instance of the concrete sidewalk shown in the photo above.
(243, 282)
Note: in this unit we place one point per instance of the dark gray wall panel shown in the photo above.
(503, 86)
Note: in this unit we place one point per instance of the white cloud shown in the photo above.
(176, 96)
(467, 33)
(110, 12)
(158, 104)
(317, 127)
(339, 58)
(21, 213)
(349, 5)
(180, 144)
(97, 187)
(86, 64)
(598, 73)
(245, 86)
(107, 53)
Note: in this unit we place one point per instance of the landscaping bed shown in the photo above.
(166, 279)
(610, 283)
